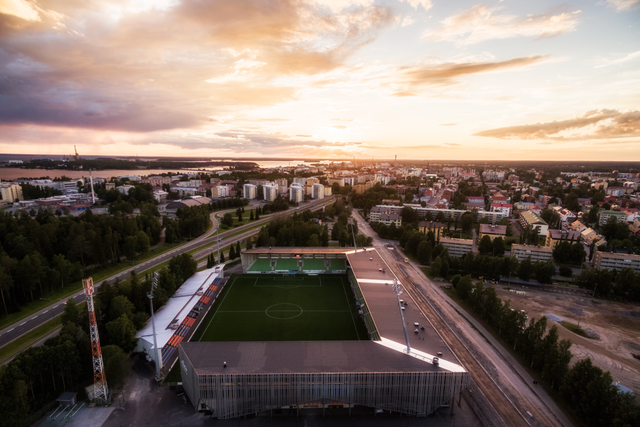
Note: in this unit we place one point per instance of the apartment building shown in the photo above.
(270, 192)
(388, 219)
(492, 231)
(317, 191)
(10, 192)
(296, 193)
(605, 215)
(537, 253)
(615, 261)
(556, 236)
(249, 191)
(493, 217)
(532, 219)
(436, 227)
(457, 247)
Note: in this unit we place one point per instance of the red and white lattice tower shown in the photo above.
(99, 381)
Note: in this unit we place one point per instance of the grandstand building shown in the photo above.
(237, 378)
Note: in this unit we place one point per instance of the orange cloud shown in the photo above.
(602, 124)
(410, 79)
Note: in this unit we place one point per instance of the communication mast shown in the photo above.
(100, 391)
(77, 156)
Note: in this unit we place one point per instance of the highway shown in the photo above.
(48, 313)
(506, 386)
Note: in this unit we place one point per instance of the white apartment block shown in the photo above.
(220, 191)
(296, 193)
(374, 214)
(249, 191)
(317, 191)
(457, 247)
(10, 192)
(537, 253)
(270, 192)
(602, 260)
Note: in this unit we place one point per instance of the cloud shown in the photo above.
(410, 79)
(597, 124)
(448, 124)
(341, 120)
(480, 23)
(622, 60)
(339, 127)
(621, 5)
(120, 66)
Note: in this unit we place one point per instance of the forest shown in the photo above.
(38, 375)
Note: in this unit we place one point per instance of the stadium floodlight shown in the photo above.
(154, 284)
(398, 292)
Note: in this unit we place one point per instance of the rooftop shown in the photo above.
(263, 250)
(493, 229)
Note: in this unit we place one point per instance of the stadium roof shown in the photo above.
(295, 251)
(300, 357)
(376, 286)
(177, 307)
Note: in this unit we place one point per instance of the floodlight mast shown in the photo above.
(397, 291)
(154, 284)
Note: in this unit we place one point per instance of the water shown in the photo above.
(9, 174)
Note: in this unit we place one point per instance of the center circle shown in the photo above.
(283, 311)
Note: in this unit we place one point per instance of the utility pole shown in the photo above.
(397, 291)
(158, 357)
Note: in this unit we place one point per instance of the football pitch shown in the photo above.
(283, 308)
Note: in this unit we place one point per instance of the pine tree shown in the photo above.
(249, 243)
(251, 216)
(221, 257)
(232, 253)
(238, 249)
(209, 261)
(257, 216)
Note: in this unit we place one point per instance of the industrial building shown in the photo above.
(413, 374)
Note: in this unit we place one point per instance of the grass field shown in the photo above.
(277, 308)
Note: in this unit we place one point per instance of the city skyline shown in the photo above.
(332, 79)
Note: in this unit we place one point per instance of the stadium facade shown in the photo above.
(234, 379)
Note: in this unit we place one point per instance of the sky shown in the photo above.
(416, 79)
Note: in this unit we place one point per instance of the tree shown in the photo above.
(71, 312)
(464, 287)
(227, 219)
(121, 332)
(221, 257)
(435, 266)
(232, 252)
(251, 216)
(525, 270)
(142, 242)
(544, 271)
(116, 365)
(129, 247)
(466, 222)
(592, 217)
(485, 246)
(119, 306)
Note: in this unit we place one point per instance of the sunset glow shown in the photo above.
(425, 79)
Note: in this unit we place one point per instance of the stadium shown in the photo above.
(315, 328)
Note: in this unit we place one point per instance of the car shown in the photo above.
(416, 324)
(435, 361)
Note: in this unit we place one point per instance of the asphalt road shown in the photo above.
(26, 325)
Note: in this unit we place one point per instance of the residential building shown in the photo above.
(605, 215)
(10, 192)
(110, 185)
(455, 214)
(249, 191)
(270, 192)
(220, 191)
(578, 226)
(156, 181)
(328, 191)
(283, 186)
(556, 236)
(160, 195)
(186, 191)
(492, 231)
(537, 253)
(339, 180)
(436, 227)
(505, 208)
(124, 189)
(388, 219)
(296, 193)
(457, 247)
(524, 206)
(615, 261)
(616, 191)
(530, 218)
(317, 191)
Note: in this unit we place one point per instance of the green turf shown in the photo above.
(313, 264)
(261, 264)
(277, 308)
(338, 264)
(287, 264)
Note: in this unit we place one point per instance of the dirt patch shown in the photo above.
(616, 325)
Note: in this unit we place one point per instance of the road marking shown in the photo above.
(10, 329)
(23, 323)
(45, 311)
(33, 317)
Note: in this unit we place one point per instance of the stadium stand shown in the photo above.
(287, 264)
(261, 264)
(338, 264)
(314, 264)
